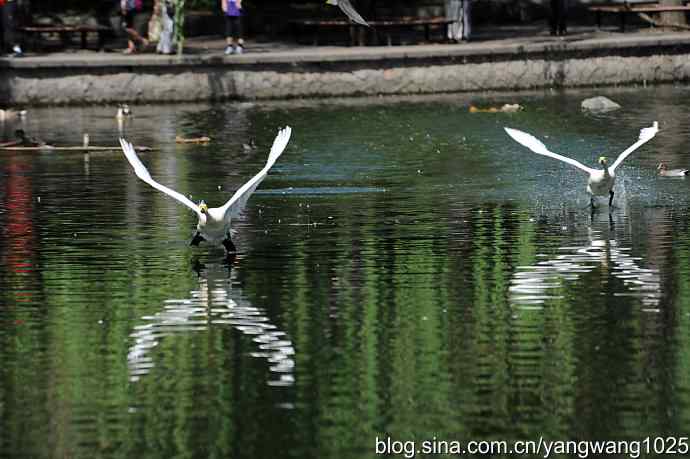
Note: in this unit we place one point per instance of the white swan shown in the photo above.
(214, 223)
(123, 111)
(600, 181)
(347, 8)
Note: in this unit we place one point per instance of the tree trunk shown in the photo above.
(672, 18)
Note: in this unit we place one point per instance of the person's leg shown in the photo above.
(3, 43)
(563, 17)
(238, 34)
(553, 16)
(467, 19)
(133, 33)
(165, 43)
(103, 11)
(454, 13)
(234, 39)
(229, 44)
(9, 25)
(128, 21)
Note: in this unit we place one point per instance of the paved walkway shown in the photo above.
(486, 41)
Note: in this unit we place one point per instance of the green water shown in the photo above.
(406, 270)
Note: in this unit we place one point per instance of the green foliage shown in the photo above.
(179, 25)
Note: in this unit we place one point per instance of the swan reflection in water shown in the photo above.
(215, 302)
(533, 285)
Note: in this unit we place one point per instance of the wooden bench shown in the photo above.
(623, 9)
(386, 27)
(65, 31)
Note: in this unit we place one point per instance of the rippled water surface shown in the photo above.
(406, 269)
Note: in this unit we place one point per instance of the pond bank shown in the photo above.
(586, 59)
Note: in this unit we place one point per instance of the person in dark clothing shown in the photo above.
(22, 140)
(8, 13)
(232, 9)
(104, 10)
(559, 17)
(25, 141)
(130, 10)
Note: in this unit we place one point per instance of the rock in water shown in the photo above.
(599, 104)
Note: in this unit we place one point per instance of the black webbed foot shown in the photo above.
(198, 267)
(229, 260)
(196, 240)
(610, 198)
(229, 246)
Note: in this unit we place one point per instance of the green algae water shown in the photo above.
(406, 272)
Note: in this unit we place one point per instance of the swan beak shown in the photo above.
(603, 160)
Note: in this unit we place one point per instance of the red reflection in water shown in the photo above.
(18, 232)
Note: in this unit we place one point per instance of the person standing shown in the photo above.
(459, 12)
(130, 9)
(165, 43)
(559, 17)
(8, 13)
(233, 26)
(103, 11)
(2, 26)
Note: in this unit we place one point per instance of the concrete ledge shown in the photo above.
(321, 72)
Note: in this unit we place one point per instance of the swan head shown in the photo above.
(123, 111)
(662, 167)
(332, 2)
(603, 160)
(203, 207)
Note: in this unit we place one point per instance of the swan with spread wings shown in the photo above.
(214, 222)
(600, 181)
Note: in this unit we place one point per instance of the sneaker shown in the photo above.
(228, 50)
(239, 49)
(17, 51)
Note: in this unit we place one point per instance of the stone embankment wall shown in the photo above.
(345, 72)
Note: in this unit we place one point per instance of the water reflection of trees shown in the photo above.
(400, 311)
(408, 333)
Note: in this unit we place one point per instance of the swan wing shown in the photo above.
(143, 173)
(234, 206)
(646, 134)
(538, 147)
(347, 8)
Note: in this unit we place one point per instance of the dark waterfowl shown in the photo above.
(664, 171)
